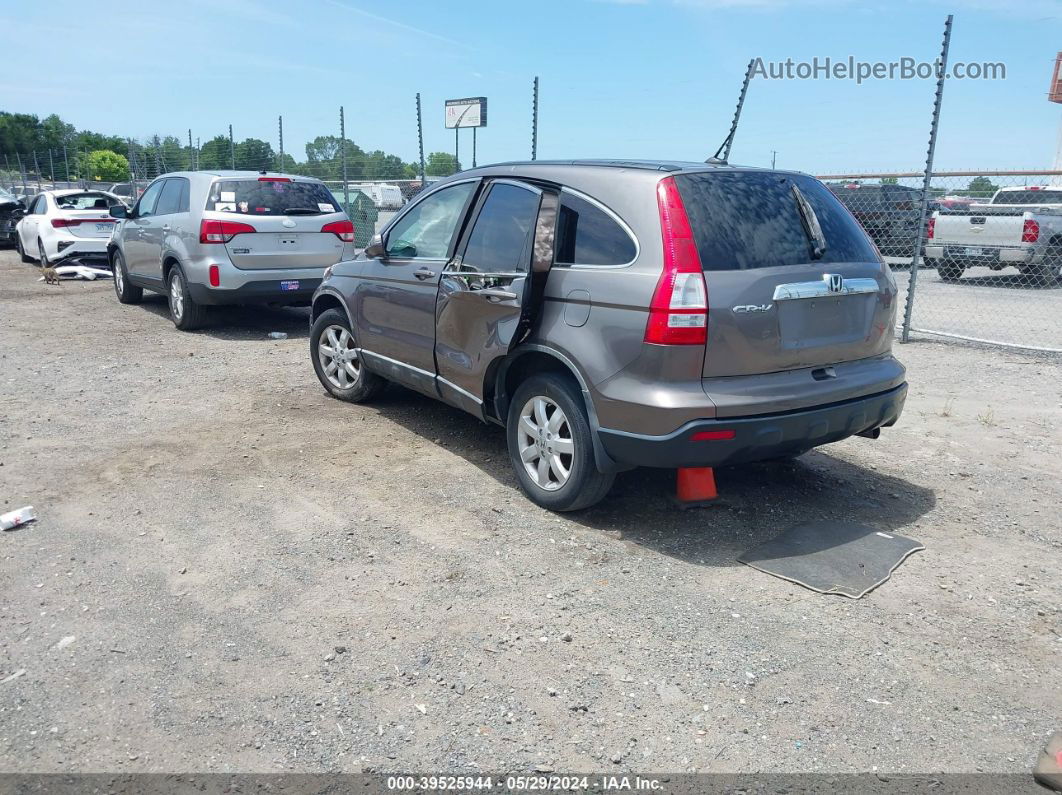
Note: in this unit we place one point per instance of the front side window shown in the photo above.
(146, 206)
(587, 235)
(501, 238)
(425, 232)
(170, 200)
(271, 196)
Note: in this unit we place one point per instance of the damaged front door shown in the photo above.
(490, 292)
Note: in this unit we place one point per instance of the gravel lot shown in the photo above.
(234, 572)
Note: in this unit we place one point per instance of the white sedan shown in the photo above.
(61, 224)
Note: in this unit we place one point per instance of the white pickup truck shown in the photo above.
(1019, 227)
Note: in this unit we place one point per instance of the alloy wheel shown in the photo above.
(176, 297)
(545, 443)
(338, 357)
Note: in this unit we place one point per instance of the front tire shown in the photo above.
(127, 293)
(42, 256)
(186, 314)
(551, 445)
(336, 361)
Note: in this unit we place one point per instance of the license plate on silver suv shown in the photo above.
(292, 285)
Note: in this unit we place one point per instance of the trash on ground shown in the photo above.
(832, 557)
(277, 335)
(80, 272)
(66, 641)
(13, 677)
(13, 519)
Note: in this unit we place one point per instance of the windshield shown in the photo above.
(1029, 197)
(270, 196)
(85, 201)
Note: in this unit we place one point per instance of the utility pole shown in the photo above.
(457, 150)
(191, 156)
(534, 120)
(232, 148)
(774, 153)
(916, 255)
(473, 147)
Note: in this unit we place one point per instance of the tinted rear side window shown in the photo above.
(1029, 197)
(744, 220)
(255, 197)
(587, 235)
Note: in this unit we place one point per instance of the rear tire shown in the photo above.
(553, 454)
(186, 314)
(950, 270)
(42, 256)
(21, 251)
(1050, 272)
(334, 354)
(127, 293)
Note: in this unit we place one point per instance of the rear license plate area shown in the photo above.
(289, 285)
(811, 323)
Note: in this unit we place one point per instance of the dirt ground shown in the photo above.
(234, 572)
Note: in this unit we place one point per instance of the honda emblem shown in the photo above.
(834, 281)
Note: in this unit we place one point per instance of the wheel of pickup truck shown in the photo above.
(336, 361)
(1050, 272)
(551, 445)
(950, 270)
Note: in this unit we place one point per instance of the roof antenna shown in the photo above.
(724, 148)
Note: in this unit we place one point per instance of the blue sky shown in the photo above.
(624, 78)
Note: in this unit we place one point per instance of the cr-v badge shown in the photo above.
(748, 309)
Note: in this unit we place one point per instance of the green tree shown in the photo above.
(104, 165)
(982, 187)
(253, 154)
(215, 154)
(441, 164)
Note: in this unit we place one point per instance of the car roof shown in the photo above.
(73, 191)
(647, 165)
(237, 173)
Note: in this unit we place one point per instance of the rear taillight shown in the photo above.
(344, 230)
(678, 313)
(274, 179)
(222, 231)
(931, 228)
(1030, 231)
(59, 223)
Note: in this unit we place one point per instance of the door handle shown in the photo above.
(165, 227)
(496, 294)
(423, 273)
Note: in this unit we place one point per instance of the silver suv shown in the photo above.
(227, 237)
(619, 314)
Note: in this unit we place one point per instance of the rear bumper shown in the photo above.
(756, 438)
(992, 254)
(270, 291)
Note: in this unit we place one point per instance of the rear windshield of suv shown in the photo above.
(270, 197)
(748, 219)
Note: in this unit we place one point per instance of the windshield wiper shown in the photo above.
(810, 222)
(301, 211)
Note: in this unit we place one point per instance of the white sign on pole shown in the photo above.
(467, 112)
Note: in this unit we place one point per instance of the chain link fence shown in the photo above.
(991, 264)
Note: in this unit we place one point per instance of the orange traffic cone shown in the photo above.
(696, 486)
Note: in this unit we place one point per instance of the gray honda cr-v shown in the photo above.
(620, 314)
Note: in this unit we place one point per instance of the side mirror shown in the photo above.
(118, 211)
(375, 249)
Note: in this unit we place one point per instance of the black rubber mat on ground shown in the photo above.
(832, 557)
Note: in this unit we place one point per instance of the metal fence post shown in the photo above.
(457, 150)
(191, 155)
(420, 144)
(132, 171)
(534, 121)
(926, 178)
(280, 129)
(232, 148)
(51, 166)
(343, 151)
(37, 168)
(66, 163)
(21, 171)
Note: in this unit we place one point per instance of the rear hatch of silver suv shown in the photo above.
(801, 306)
(277, 223)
